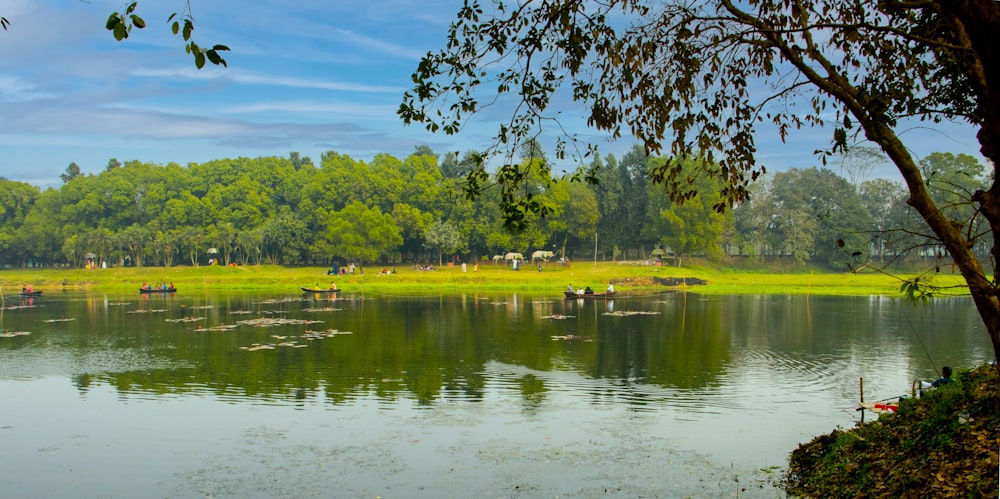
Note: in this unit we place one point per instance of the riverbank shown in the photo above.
(627, 277)
(941, 445)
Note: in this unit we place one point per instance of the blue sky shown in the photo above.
(306, 76)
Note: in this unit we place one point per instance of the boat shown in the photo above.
(588, 296)
(146, 291)
(31, 293)
(321, 290)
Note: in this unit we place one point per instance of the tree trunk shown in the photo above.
(982, 290)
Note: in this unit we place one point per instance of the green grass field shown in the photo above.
(627, 277)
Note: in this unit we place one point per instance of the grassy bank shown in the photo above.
(941, 445)
(627, 278)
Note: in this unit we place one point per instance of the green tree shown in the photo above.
(610, 196)
(821, 216)
(633, 172)
(283, 237)
(453, 167)
(574, 216)
(692, 227)
(191, 241)
(412, 224)
(17, 199)
(952, 180)
(137, 241)
(688, 76)
(72, 171)
(892, 219)
(361, 233)
(444, 237)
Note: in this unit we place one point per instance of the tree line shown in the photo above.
(390, 210)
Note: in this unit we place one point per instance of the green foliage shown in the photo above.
(265, 210)
(916, 290)
(444, 237)
(692, 226)
(362, 234)
(121, 24)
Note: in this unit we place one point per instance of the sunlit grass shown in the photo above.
(551, 279)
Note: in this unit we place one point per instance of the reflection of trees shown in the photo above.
(439, 348)
(683, 347)
(429, 349)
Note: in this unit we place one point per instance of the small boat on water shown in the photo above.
(321, 290)
(588, 296)
(146, 291)
(31, 293)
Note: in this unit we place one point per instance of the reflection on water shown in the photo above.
(658, 396)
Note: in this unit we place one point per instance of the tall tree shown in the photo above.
(691, 227)
(703, 76)
(72, 171)
(885, 202)
(822, 216)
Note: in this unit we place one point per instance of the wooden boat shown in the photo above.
(31, 293)
(588, 296)
(146, 291)
(321, 290)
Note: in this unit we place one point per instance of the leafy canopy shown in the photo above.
(699, 79)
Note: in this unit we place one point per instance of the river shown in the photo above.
(474, 395)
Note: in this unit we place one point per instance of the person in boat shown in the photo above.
(570, 288)
(333, 286)
(171, 286)
(611, 288)
(588, 291)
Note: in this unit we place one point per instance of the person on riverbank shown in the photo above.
(944, 379)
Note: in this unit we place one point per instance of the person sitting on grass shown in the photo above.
(944, 379)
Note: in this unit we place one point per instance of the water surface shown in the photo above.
(493, 395)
